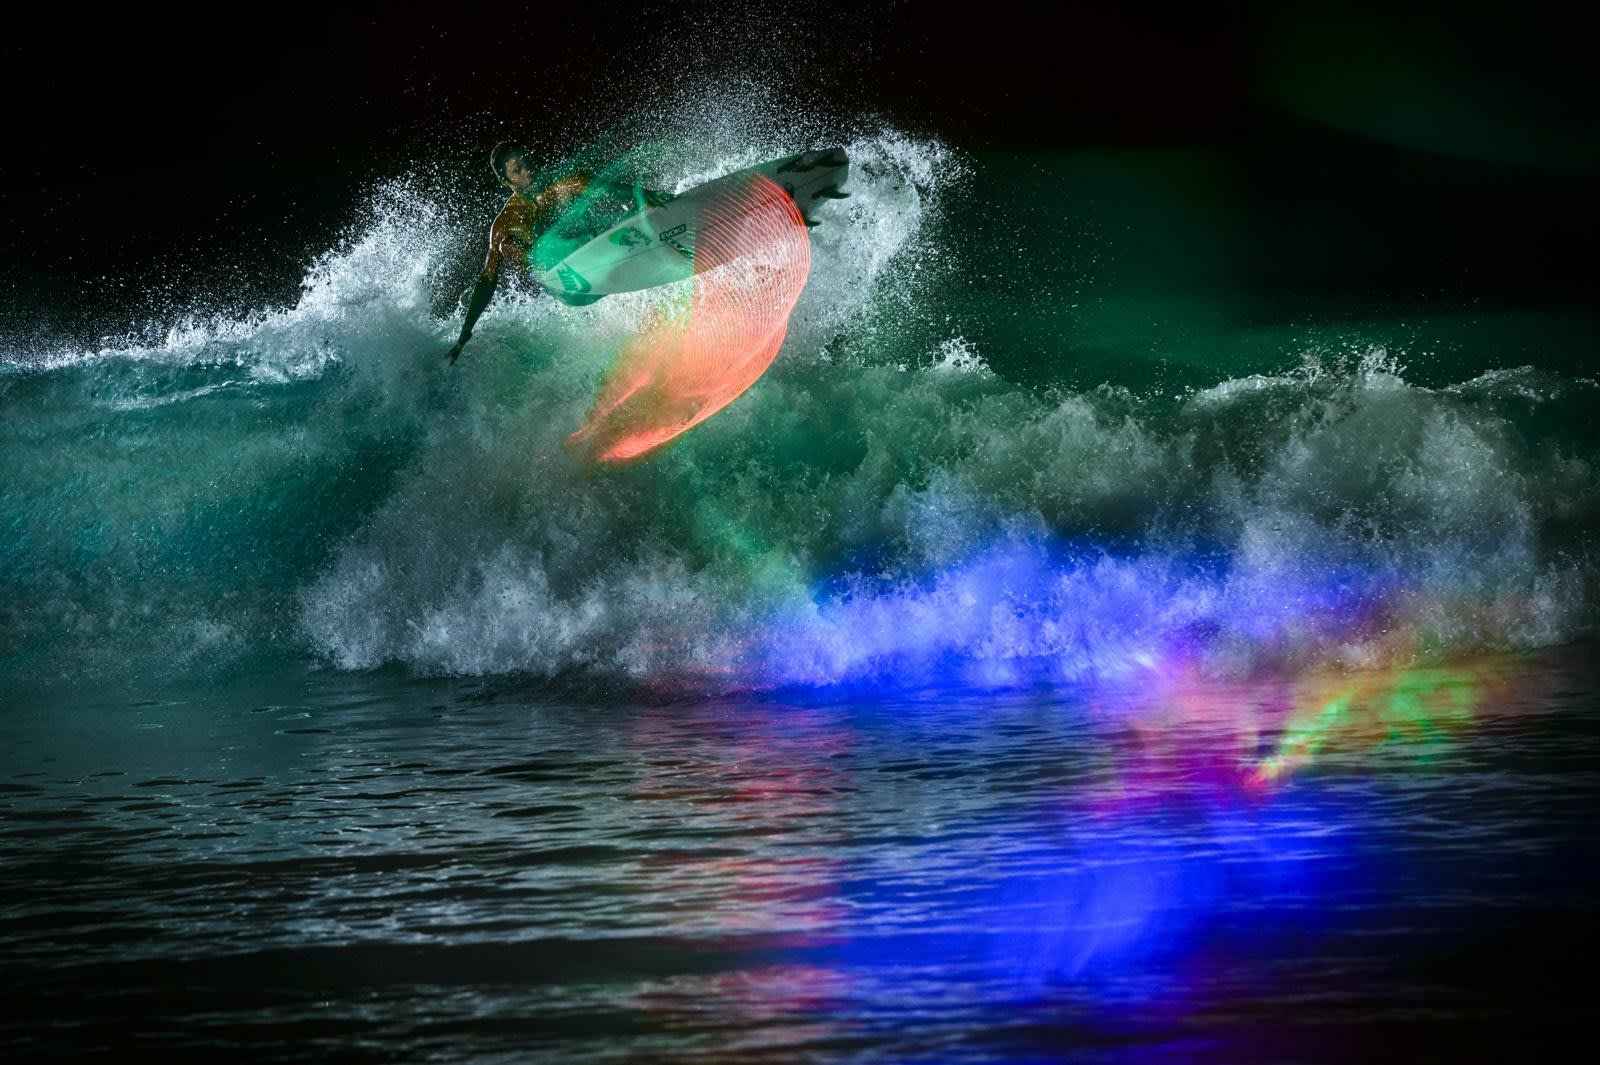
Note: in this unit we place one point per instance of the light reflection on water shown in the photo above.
(1183, 867)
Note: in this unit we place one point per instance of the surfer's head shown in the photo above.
(510, 162)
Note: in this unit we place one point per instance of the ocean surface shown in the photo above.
(1116, 627)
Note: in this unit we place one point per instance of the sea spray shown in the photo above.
(952, 524)
(311, 483)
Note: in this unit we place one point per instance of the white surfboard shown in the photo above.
(656, 246)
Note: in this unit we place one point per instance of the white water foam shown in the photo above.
(871, 510)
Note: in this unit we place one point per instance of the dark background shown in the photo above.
(154, 160)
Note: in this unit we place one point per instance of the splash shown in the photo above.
(884, 510)
(751, 263)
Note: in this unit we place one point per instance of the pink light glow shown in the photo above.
(689, 363)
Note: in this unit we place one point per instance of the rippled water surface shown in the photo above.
(1338, 866)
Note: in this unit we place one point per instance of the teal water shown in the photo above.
(1119, 621)
(1016, 393)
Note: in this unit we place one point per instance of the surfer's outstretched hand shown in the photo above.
(454, 353)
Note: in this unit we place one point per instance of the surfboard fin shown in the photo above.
(831, 192)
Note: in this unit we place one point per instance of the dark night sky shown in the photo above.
(141, 144)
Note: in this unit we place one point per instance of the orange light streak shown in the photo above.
(751, 260)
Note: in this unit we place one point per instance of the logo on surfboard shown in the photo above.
(571, 280)
(629, 237)
(673, 238)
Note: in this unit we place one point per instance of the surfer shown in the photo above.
(524, 215)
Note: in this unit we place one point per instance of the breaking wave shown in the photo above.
(312, 482)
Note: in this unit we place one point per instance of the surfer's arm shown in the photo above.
(637, 194)
(569, 188)
(563, 192)
(505, 253)
(478, 300)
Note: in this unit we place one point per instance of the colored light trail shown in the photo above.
(751, 260)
